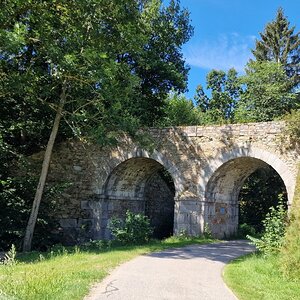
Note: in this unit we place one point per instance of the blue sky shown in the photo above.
(225, 32)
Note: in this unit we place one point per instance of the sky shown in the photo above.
(225, 32)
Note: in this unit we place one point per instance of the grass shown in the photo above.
(256, 277)
(69, 273)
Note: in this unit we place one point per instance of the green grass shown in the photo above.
(69, 274)
(255, 277)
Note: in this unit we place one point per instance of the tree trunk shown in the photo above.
(44, 172)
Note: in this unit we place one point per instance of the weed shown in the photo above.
(10, 257)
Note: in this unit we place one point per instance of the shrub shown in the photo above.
(10, 256)
(182, 235)
(133, 230)
(207, 232)
(274, 230)
(246, 229)
(293, 125)
(96, 245)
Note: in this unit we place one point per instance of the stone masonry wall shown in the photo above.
(208, 165)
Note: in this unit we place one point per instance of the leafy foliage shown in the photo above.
(225, 92)
(293, 126)
(134, 229)
(119, 60)
(116, 61)
(272, 79)
(16, 196)
(246, 229)
(279, 44)
(290, 252)
(267, 93)
(260, 191)
(179, 111)
(160, 65)
(274, 231)
(10, 256)
(270, 87)
(97, 245)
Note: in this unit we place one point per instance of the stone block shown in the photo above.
(190, 131)
(85, 204)
(85, 222)
(110, 206)
(68, 223)
(77, 168)
(194, 219)
(182, 218)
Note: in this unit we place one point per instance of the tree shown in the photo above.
(80, 59)
(179, 111)
(60, 50)
(161, 66)
(225, 92)
(267, 94)
(280, 44)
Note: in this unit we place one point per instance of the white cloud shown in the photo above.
(227, 51)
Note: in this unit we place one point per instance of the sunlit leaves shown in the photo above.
(267, 93)
(280, 44)
(225, 92)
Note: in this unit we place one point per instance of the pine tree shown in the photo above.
(279, 44)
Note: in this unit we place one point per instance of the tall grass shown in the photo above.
(275, 276)
(256, 277)
(69, 273)
(290, 253)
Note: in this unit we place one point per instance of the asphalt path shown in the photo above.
(188, 273)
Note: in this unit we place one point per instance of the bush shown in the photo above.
(16, 194)
(246, 229)
(260, 191)
(96, 245)
(293, 124)
(10, 256)
(292, 129)
(134, 229)
(274, 230)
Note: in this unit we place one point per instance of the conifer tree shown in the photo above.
(280, 44)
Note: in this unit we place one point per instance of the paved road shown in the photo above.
(189, 273)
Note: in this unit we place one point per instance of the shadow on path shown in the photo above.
(191, 273)
(221, 252)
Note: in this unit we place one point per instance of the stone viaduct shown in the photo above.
(190, 179)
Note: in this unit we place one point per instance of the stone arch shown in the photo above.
(138, 184)
(227, 177)
(262, 157)
(128, 179)
(155, 156)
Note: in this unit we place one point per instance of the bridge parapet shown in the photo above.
(260, 129)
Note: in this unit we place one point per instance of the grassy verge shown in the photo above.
(69, 274)
(255, 277)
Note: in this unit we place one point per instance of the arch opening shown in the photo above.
(141, 185)
(261, 190)
(228, 193)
